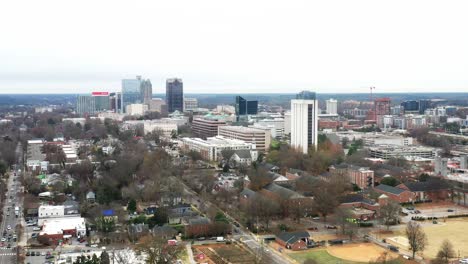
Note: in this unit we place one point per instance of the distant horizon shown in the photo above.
(241, 93)
(242, 46)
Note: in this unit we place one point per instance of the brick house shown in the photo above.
(285, 197)
(362, 208)
(298, 240)
(434, 190)
(398, 195)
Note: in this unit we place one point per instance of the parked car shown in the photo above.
(36, 228)
(393, 248)
(34, 235)
(450, 210)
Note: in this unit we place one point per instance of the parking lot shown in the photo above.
(439, 210)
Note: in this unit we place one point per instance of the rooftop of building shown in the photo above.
(242, 129)
(217, 141)
(57, 225)
(389, 189)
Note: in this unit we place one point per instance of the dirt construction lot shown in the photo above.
(223, 254)
(364, 252)
(453, 230)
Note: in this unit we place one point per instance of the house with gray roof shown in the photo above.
(396, 194)
(299, 240)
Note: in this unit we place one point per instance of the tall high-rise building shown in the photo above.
(332, 106)
(131, 93)
(101, 101)
(244, 107)
(174, 95)
(381, 109)
(146, 90)
(304, 126)
(85, 104)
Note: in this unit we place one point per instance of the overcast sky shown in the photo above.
(242, 46)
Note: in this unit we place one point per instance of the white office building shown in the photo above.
(332, 106)
(136, 109)
(211, 148)
(304, 119)
(190, 104)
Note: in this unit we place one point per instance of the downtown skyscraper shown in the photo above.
(174, 95)
(131, 92)
(146, 90)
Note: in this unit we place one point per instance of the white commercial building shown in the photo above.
(166, 127)
(332, 106)
(211, 148)
(136, 109)
(260, 137)
(190, 104)
(277, 125)
(287, 123)
(65, 226)
(304, 124)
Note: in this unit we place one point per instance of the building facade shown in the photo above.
(245, 108)
(261, 138)
(211, 148)
(190, 104)
(175, 95)
(204, 127)
(101, 101)
(146, 91)
(136, 109)
(131, 93)
(85, 105)
(304, 121)
(332, 106)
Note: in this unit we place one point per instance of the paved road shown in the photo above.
(9, 220)
(249, 239)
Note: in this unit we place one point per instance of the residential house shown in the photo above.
(136, 231)
(361, 207)
(298, 240)
(165, 231)
(431, 190)
(395, 194)
(242, 157)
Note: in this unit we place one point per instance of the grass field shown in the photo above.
(321, 256)
(453, 230)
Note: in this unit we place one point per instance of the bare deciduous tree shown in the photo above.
(446, 252)
(157, 250)
(390, 214)
(416, 237)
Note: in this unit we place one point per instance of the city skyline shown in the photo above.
(333, 46)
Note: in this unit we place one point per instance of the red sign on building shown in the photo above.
(100, 93)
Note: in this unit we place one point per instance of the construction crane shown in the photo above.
(371, 88)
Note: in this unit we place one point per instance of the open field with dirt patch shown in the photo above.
(453, 230)
(363, 252)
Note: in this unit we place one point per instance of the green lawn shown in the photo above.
(321, 256)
